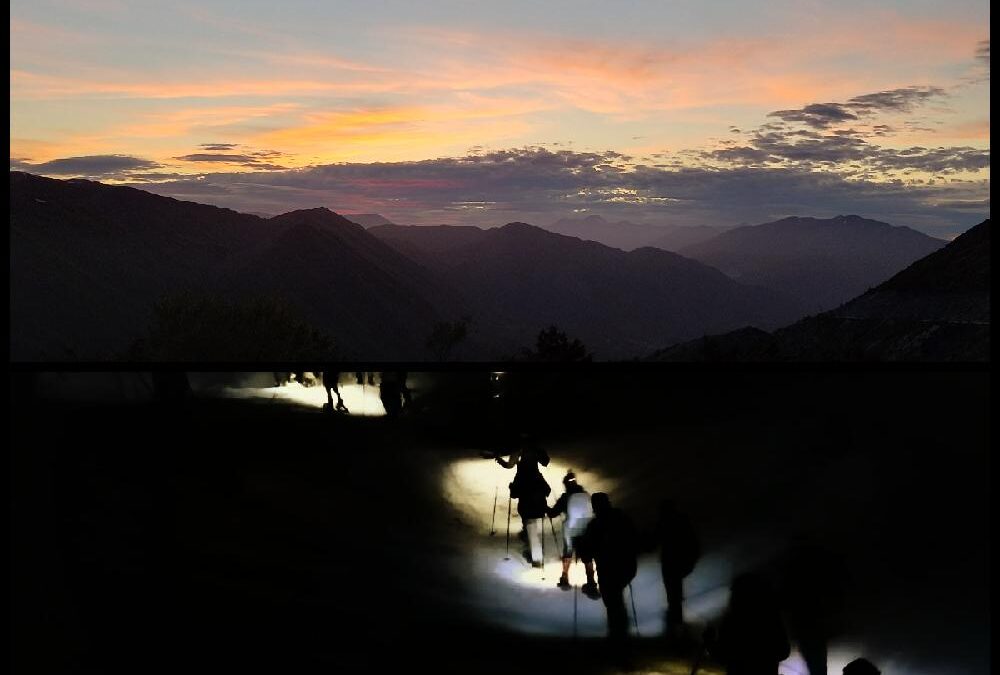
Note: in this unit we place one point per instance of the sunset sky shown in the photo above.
(669, 111)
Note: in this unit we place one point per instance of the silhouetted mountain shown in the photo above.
(622, 234)
(677, 237)
(377, 302)
(937, 309)
(427, 243)
(952, 284)
(617, 303)
(628, 236)
(89, 261)
(822, 263)
(367, 220)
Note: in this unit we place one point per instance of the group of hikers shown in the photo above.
(751, 637)
(393, 392)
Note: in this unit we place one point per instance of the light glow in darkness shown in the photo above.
(361, 400)
(515, 596)
(524, 598)
(467, 113)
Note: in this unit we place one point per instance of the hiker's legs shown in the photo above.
(533, 526)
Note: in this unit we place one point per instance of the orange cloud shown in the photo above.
(28, 85)
(451, 86)
(402, 129)
(203, 119)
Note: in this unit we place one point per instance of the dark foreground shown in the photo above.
(231, 535)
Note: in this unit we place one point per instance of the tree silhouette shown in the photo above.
(447, 335)
(189, 327)
(555, 346)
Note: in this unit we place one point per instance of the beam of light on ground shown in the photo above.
(509, 592)
(361, 400)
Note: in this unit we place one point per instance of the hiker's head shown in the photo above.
(601, 503)
(861, 667)
(569, 479)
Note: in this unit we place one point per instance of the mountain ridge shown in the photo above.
(822, 262)
(936, 309)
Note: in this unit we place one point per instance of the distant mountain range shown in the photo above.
(822, 263)
(628, 236)
(937, 309)
(617, 303)
(367, 220)
(428, 244)
(89, 261)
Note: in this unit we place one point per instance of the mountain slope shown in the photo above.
(89, 261)
(628, 236)
(622, 234)
(677, 237)
(952, 284)
(427, 244)
(823, 263)
(377, 302)
(368, 220)
(937, 309)
(618, 303)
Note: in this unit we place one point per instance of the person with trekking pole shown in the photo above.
(531, 491)
(574, 503)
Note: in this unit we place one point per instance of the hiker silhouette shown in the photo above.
(610, 541)
(331, 382)
(575, 504)
(393, 392)
(861, 667)
(531, 491)
(679, 551)
(813, 584)
(752, 639)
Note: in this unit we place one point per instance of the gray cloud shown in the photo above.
(816, 137)
(846, 153)
(983, 56)
(91, 166)
(817, 115)
(933, 160)
(897, 100)
(254, 159)
(825, 115)
(536, 184)
(210, 157)
(218, 146)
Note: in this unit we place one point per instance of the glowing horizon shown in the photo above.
(251, 106)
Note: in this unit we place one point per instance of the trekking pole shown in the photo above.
(635, 617)
(542, 528)
(496, 491)
(697, 660)
(575, 594)
(507, 556)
